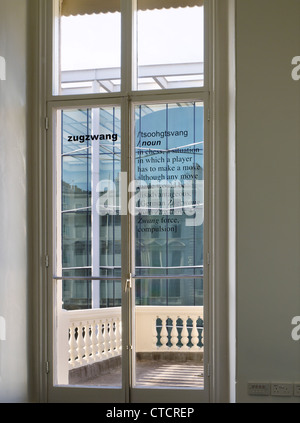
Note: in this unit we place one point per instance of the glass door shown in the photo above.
(87, 319)
(129, 279)
(168, 251)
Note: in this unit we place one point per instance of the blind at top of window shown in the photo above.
(82, 7)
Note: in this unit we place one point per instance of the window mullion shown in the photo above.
(128, 48)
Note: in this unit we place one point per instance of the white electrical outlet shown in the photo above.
(258, 388)
(297, 389)
(282, 389)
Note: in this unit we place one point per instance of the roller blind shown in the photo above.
(83, 7)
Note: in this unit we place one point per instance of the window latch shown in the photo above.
(128, 284)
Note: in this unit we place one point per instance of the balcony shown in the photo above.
(168, 344)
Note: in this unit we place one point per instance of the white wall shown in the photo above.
(13, 224)
(268, 193)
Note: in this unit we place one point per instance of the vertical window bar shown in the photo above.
(128, 49)
(167, 224)
(94, 148)
(194, 193)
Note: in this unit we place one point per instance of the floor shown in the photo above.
(155, 373)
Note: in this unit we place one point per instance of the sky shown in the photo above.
(165, 36)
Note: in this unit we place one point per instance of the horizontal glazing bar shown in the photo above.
(168, 277)
(98, 278)
(61, 101)
(170, 268)
(86, 278)
(76, 210)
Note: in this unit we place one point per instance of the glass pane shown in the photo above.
(170, 44)
(76, 190)
(88, 53)
(168, 208)
(76, 239)
(88, 328)
(77, 293)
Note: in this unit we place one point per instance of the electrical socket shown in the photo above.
(258, 388)
(282, 389)
(297, 389)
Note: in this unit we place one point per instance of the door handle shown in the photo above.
(128, 284)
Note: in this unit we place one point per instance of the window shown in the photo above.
(166, 53)
(165, 39)
(129, 111)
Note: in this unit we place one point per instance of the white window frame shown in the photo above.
(220, 92)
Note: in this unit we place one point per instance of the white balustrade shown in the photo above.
(172, 328)
(90, 336)
(87, 337)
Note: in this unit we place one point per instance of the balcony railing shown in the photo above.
(90, 336)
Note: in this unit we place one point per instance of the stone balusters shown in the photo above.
(96, 335)
(95, 339)
(177, 332)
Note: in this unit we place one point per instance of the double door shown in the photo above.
(127, 241)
